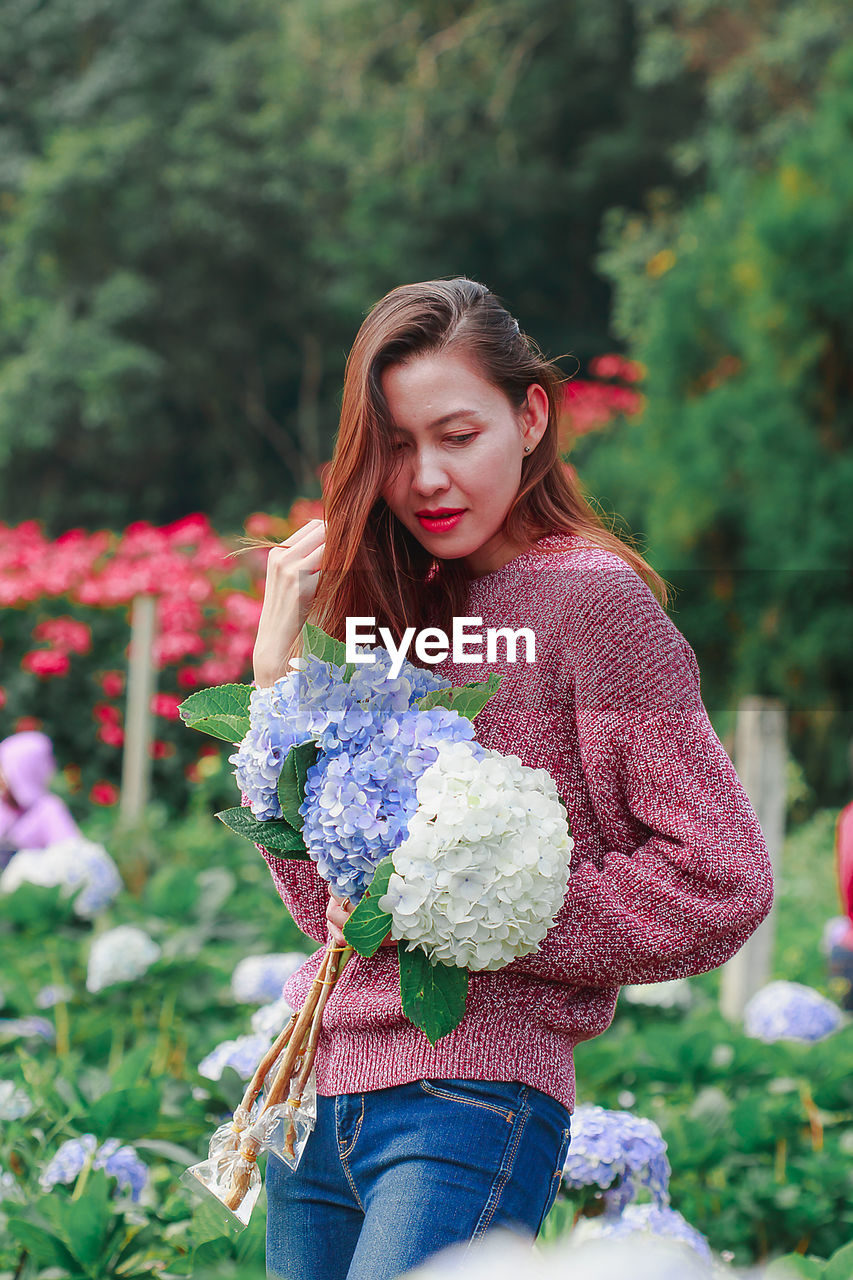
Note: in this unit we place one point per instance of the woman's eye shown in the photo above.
(397, 445)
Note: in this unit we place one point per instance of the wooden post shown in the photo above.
(760, 759)
(136, 759)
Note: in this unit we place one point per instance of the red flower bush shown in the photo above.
(112, 683)
(112, 735)
(166, 705)
(81, 587)
(590, 405)
(104, 793)
(65, 634)
(46, 663)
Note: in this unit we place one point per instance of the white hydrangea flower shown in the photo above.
(259, 979)
(676, 993)
(14, 1102)
(502, 1255)
(82, 867)
(485, 865)
(242, 1055)
(120, 955)
(270, 1018)
(53, 993)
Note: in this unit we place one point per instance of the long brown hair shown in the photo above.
(372, 564)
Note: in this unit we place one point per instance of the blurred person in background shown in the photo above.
(31, 817)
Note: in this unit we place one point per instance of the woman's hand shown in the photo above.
(337, 913)
(293, 571)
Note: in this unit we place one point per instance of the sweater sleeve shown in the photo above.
(685, 876)
(302, 890)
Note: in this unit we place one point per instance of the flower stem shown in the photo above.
(301, 1041)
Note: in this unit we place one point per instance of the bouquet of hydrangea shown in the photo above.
(462, 853)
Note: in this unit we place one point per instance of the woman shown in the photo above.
(31, 817)
(445, 497)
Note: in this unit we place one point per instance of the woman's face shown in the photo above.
(461, 445)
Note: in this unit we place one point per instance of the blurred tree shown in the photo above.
(740, 468)
(199, 202)
(153, 294)
(759, 67)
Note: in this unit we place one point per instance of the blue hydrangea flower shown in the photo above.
(123, 1164)
(259, 979)
(833, 931)
(53, 993)
(270, 1018)
(68, 1161)
(242, 1055)
(391, 696)
(790, 1011)
(120, 1162)
(315, 703)
(259, 758)
(25, 1028)
(659, 1220)
(83, 868)
(618, 1152)
(357, 807)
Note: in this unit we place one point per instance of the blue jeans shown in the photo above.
(391, 1176)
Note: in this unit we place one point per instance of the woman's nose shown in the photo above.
(428, 474)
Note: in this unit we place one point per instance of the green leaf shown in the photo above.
(38, 907)
(793, 1266)
(222, 711)
(840, 1264)
(466, 700)
(207, 1224)
(82, 1224)
(42, 1244)
(125, 1113)
(368, 924)
(135, 1065)
(291, 782)
(432, 995)
(315, 641)
(274, 834)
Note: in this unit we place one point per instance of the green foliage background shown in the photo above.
(758, 1135)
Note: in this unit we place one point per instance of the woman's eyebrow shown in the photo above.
(442, 421)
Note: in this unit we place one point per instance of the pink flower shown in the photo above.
(112, 683)
(46, 662)
(160, 750)
(104, 792)
(105, 714)
(189, 529)
(67, 635)
(111, 734)
(166, 705)
(24, 723)
(615, 366)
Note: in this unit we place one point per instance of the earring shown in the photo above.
(527, 448)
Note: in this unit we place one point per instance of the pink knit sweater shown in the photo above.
(670, 872)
